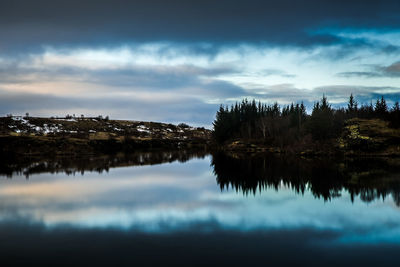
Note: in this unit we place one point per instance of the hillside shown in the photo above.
(373, 136)
(33, 135)
(358, 137)
(78, 136)
(248, 126)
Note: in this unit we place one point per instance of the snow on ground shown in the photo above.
(63, 119)
(29, 127)
(143, 129)
(24, 125)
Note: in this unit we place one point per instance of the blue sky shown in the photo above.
(177, 61)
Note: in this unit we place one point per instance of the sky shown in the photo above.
(177, 61)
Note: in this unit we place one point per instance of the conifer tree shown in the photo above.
(381, 108)
(352, 105)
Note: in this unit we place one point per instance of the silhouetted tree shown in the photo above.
(321, 123)
(394, 116)
(284, 126)
(352, 107)
(381, 108)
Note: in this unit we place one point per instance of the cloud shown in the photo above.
(175, 109)
(367, 74)
(391, 71)
(29, 25)
(339, 94)
(78, 54)
(165, 78)
(184, 80)
(269, 72)
(179, 107)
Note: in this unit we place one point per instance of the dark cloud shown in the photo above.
(367, 74)
(29, 24)
(392, 70)
(390, 49)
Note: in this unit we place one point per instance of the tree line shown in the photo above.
(288, 124)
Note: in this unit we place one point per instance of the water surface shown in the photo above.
(191, 208)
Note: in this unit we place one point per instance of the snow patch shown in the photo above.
(143, 129)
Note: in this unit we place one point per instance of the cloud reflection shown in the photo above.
(173, 197)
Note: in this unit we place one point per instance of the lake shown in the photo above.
(184, 208)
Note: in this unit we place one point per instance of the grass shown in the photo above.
(88, 135)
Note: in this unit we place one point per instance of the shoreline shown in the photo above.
(30, 136)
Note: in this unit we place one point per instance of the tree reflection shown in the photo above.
(28, 166)
(368, 178)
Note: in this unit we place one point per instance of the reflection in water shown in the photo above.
(370, 178)
(177, 214)
(28, 166)
(109, 247)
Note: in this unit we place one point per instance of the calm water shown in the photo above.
(195, 209)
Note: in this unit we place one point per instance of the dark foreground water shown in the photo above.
(196, 209)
